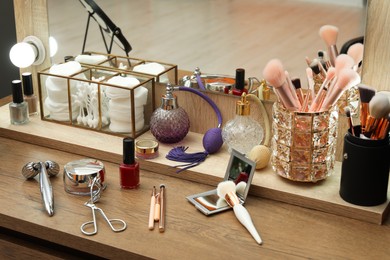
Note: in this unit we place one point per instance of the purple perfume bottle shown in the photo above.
(169, 123)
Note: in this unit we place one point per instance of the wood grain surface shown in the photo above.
(288, 231)
(376, 48)
(321, 196)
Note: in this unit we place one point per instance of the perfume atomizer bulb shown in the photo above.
(45, 170)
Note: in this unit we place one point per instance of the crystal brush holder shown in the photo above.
(303, 144)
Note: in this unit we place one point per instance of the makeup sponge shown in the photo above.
(260, 154)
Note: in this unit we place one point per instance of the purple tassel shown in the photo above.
(179, 154)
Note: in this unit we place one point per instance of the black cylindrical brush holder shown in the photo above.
(365, 171)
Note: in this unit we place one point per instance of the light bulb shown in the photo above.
(22, 55)
(53, 46)
(28, 52)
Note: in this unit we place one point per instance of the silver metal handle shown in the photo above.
(46, 189)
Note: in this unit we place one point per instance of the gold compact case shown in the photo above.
(240, 170)
(79, 175)
(146, 149)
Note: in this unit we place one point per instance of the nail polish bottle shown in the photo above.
(18, 109)
(129, 169)
(29, 95)
(240, 83)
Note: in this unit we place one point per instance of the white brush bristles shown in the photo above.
(225, 187)
(348, 78)
(274, 73)
(345, 79)
(356, 52)
(379, 106)
(386, 93)
(329, 34)
(330, 74)
(343, 61)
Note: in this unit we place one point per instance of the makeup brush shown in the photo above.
(240, 188)
(292, 87)
(356, 52)
(386, 93)
(322, 92)
(315, 66)
(347, 112)
(298, 89)
(343, 61)
(275, 75)
(345, 79)
(310, 94)
(329, 34)
(310, 80)
(379, 108)
(324, 61)
(151, 210)
(366, 93)
(227, 191)
(382, 130)
(157, 207)
(161, 224)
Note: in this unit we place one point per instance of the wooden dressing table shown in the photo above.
(288, 231)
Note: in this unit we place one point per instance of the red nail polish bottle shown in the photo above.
(129, 169)
(240, 83)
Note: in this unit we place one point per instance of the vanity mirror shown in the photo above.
(240, 170)
(217, 36)
(106, 27)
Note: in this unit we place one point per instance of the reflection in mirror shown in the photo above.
(218, 36)
(240, 170)
(106, 26)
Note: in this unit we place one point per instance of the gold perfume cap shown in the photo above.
(243, 106)
(265, 90)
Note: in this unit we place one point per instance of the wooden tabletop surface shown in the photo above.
(288, 231)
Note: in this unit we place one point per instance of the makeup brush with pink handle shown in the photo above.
(227, 190)
(322, 92)
(275, 75)
(345, 79)
(356, 51)
(329, 34)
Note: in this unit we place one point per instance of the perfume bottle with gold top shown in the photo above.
(243, 132)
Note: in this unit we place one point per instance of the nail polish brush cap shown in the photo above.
(17, 92)
(240, 78)
(27, 84)
(128, 150)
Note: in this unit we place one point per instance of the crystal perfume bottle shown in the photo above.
(242, 133)
(169, 123)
